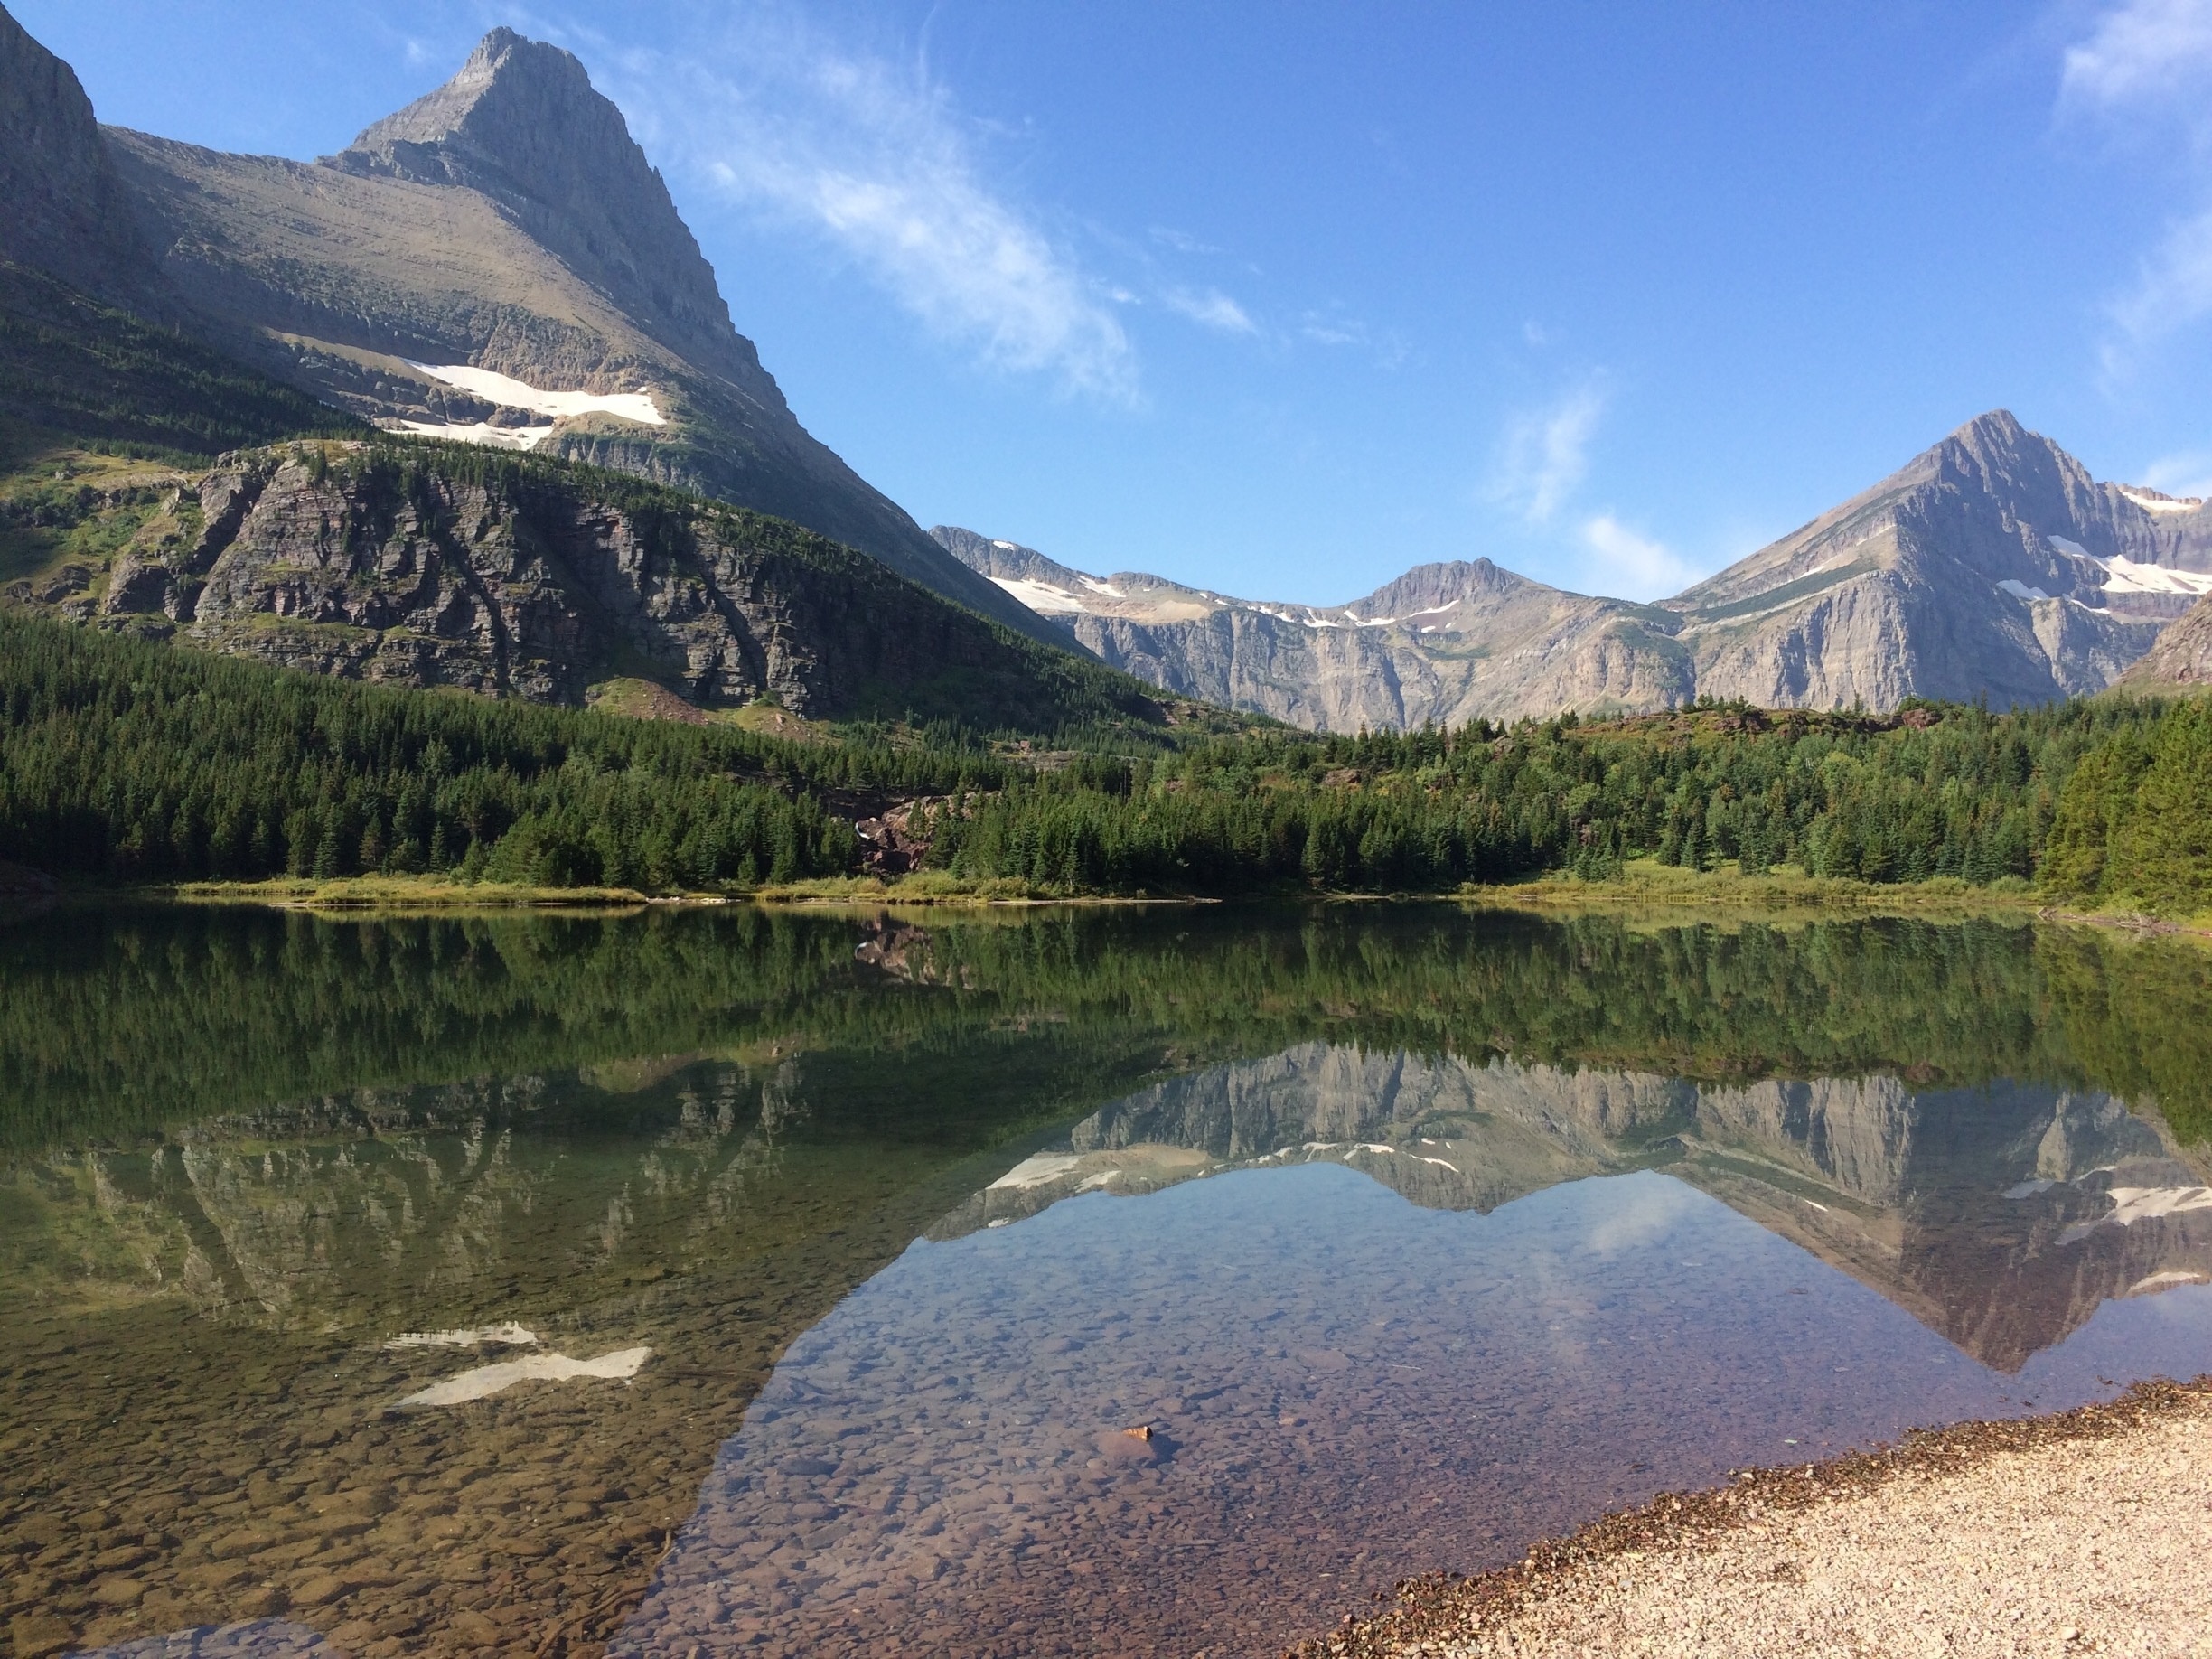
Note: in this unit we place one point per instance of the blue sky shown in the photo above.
(1280, 299)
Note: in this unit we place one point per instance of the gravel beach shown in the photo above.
(2083, 1533)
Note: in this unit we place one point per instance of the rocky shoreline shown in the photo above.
(2074, 1533)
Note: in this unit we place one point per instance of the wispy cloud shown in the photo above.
(2145, 69)
(2139, 53)
(1545, 455)
(2190, 474)
(872, 155)
(1211, 308)
(2172, 290)
(1629, 565)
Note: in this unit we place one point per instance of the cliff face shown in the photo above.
(498, 263)
(2181, 661)
(63, 208)
(532, 580)
(1992, 565)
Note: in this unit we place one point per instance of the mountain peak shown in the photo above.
(506, 68)
(522, 124)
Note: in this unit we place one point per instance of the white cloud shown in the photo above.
(1209, 307)
(1545, 455)
(2188, 473)
(1630, 566)
(1182, 241)
(2140, 53)
(2172, 289)
(2145, 69)
(873, 157)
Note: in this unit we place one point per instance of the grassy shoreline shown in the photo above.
(1645, 887)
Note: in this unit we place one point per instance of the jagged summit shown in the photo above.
(522, 124)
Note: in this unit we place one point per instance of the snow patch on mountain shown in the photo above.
(511, 393)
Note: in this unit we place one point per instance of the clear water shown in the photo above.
(1410, 1236)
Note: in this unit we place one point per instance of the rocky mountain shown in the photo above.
(497, 263)
(1448, 643)
(1992, 565)
(515, 576)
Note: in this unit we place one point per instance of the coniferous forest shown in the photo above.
(122, 759)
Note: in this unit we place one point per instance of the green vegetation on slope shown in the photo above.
(129, 759)
(69, 364)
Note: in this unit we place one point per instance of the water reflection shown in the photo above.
(1342, 1388)
(2000, 1217)
(900, 1227)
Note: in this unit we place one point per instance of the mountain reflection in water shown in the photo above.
(906, 1223)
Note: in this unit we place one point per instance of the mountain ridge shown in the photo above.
(1991, 565)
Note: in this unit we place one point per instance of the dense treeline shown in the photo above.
(1954, 791)
(135, 760)
(2133, 825)
(69, 364)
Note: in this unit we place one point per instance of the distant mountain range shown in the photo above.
(497, 262)
(1992, 565)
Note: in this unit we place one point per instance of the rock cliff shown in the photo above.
(1992, 565)
(1448, 643)
(518, 576)
(2181, 661)
(63, 206)
(497, 263)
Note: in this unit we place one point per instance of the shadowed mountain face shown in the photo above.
(2001, 1217)
(497, 263)
(62, 208)
(1991, 566)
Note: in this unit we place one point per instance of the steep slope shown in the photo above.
(63, 208)
(1991, 565)
(2181, 661)
(1444, 642)
(497, 263)
(417, 565)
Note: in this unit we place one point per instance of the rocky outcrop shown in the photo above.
(519, 578)
(1992, 566)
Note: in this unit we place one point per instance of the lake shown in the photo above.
(1034, 1282)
